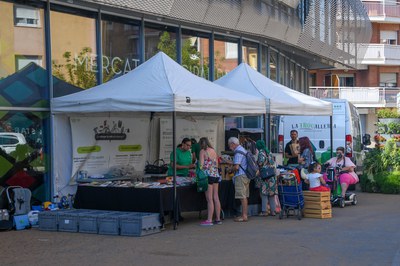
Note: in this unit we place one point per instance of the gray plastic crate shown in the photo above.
(68, 220)
(108, 223)
(48, 220)
(140, 224)
(87, 221)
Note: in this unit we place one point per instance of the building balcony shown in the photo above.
(379, 54)
(383, 11)
(360, 96)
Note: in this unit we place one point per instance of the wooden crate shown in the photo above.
(323, 205)
(317, 205)
(312, 211)
(319, 216)
(314, 196)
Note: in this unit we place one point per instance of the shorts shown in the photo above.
(213, 180)
(347, 178)
(242, 187)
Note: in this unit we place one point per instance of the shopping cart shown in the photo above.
(290, 195)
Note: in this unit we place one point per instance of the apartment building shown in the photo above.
(375, 82)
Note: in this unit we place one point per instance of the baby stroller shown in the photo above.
(336, 189)
(290, 195)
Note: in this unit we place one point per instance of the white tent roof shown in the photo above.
(282, 100)
(160, 85)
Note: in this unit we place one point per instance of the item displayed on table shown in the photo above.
(158, 167)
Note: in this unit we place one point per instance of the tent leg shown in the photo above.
(176, 215)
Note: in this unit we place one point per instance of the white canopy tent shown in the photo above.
(158, 85)
(281, 100)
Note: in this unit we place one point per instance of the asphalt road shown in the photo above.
(366, 234)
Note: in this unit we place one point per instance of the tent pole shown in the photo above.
(331, 131)
(269, 131)
(176, 217)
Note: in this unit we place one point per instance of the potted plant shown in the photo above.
(388, 115)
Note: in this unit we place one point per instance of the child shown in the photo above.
(315, 178)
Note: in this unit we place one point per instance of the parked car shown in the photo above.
(10, 140)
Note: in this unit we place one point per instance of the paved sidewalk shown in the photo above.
(366, 234)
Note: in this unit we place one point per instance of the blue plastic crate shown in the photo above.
(140, 224)
(108, 223)
(87, 221)
(48, 220)
(68, 220)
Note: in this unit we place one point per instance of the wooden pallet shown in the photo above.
(315, 196)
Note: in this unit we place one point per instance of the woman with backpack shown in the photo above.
(266, 180)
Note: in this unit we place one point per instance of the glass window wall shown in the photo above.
(264, 57)
(120, 45)
(159, 38)
(73, 51)
(282, 67)
(273, 59)
(225, 57)
(291, 75)
(250, 53)
(24, 87)
(195, 52)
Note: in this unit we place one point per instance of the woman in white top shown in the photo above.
(315, 178)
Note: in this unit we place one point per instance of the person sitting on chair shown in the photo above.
(346, 176)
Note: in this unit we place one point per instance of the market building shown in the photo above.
(52, 48)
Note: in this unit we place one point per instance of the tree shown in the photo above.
(81, 70)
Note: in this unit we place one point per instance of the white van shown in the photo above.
(346, 132)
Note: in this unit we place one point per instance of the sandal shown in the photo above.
(263, 214)
(240, 219)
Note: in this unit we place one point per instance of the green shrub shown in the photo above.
(388, 113)
(391, 184)
(380, 179)
(373, 163)
(367, 185)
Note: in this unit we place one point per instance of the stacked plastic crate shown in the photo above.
(100, 222)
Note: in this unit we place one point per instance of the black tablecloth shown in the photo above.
(158, 200)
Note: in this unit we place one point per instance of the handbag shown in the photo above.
(267, 172)
(158, 167)
(201, 180)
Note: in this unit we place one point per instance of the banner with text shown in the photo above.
(102, 142)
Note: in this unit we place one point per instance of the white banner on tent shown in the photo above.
(189, 127)
(102, 142)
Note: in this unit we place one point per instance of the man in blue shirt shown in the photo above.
(240, 179)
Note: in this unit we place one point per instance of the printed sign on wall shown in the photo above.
(190, 127)
(100, 143)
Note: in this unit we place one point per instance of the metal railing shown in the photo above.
(380, 53)
(385, 9)
(366, 96)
